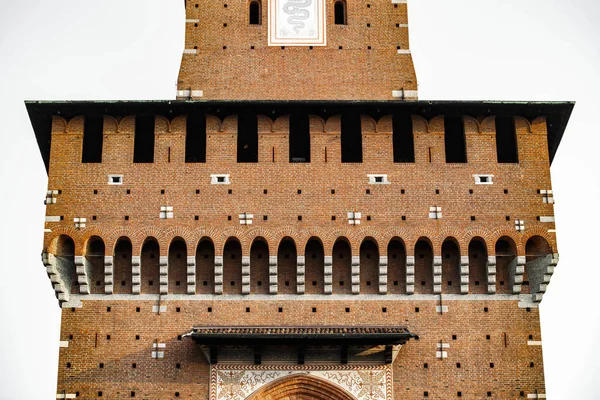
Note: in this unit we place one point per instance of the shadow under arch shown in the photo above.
(301, 387)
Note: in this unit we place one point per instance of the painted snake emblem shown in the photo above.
(298, 14)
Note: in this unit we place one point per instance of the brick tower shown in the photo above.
(297, 225)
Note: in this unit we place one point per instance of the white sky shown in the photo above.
(463, 50)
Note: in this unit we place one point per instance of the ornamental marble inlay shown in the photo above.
(237, 382)
(297, 23)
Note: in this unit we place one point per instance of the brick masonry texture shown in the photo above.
(508, 328)
(354, 72)
(131, 280)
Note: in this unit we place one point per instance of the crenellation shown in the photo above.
(297, 219)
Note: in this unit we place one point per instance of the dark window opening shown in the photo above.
(143, 145)
(454, 140)
(195, 138)
(340, 13)
(299, 138)
(403, 139)
(255, 13)
(351, 138)
(506, 140)
(92, 140)
(247, 142)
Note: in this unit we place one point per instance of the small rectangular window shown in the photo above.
(483, 179)
(378, 179)
(115, 179)
(220, 179)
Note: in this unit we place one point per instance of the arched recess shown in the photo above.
(450, 267)
(259, 267)
(506, 265)
(286, 266)
(122, 266)
(340, 15)
(396, 267)
(65, 263)
(423, 267)
(538, 257)
(477, 266)
(232, 267)
(300, 387)
(205, 267)
(254, 12)
(314, 268)
(341, 267)
(369, 267)
(178, 266)
(150, 268)
(94, 264)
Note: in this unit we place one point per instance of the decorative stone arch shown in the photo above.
(259, 233)
(52, 240)
(301, 387)
(367, 233)
(140, 238)
(180, 233)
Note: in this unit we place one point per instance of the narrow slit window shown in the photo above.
(92, 140)
(195, 139)
(255, 11)
(506, 140)
(454, 140)
(339, 9)
(402, 139)
(299, 141)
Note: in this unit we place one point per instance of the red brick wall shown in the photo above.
(160, 379)
(269, 73)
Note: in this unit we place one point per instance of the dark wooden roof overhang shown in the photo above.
(41, 112)
(324, 335)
